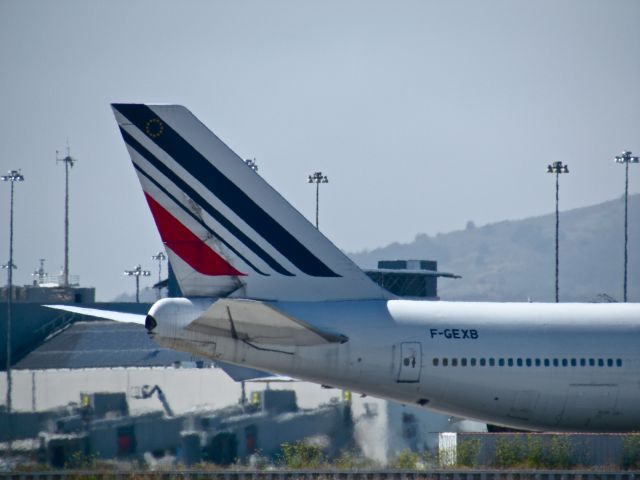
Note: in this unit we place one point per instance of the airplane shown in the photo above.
(262, 288)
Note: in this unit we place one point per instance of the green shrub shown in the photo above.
(631, 452)
(353, 460)
(431, 459)
(510, 452)
(530, 452)
(535, 452)
(80, 461)
(560, 453)
(301, 455)
(405, 460)
(467, 452)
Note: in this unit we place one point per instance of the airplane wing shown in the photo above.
(259, 322)
(246, 374)
(106, 314)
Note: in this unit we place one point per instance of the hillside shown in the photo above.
(514, 260)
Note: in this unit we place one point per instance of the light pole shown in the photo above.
(40, 275)
(557, 168)
(68, 162)
(137, 273)
(626, 158)
(159, 257)
(12, 177)
(318, 178)
(252, 164)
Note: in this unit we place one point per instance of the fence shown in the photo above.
(324, 475)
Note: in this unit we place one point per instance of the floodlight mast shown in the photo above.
(557, 168)
(137, 273)
(626, 158)
(159, 257)
(40, 274)
(252, 164)
(68, 162)
(317, 178)
(13, 176)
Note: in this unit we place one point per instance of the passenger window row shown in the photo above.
(527, 362)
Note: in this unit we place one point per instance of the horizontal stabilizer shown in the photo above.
(259, 322)
(246, 374)
(106, 314)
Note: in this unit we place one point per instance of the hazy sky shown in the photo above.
(423, 114)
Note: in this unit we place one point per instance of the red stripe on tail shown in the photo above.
(187, 245)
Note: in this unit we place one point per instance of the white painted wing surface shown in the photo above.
(259, 322)
(246, 374)
(106, 314)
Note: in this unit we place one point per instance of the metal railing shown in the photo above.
(57, 280)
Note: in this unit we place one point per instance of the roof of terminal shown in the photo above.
(100, 344)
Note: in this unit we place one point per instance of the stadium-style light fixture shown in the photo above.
(137, 273)
(252, 164)
(318, 178)
(557, 168)
(159, 257)
(12, 177)
(626, 158)
(68, 162)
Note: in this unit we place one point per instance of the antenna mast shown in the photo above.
(68, 162)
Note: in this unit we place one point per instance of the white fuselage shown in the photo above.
(534, 366)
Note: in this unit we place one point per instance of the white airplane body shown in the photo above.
(295, 305)
(568, 367)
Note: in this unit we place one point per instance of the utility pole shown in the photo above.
(557, 168)
(160, 257)
(318, 178)
(137, 273)
(13, 177)
(626, 158)
(68, 162)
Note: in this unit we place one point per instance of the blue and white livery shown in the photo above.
(266, 290)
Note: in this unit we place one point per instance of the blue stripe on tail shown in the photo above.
(235, 199)
(201, 202)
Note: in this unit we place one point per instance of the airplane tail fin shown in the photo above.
(226, 231)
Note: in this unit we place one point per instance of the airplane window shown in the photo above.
(573, 362)
(546, 362)
(555, 362)
(565, 362)
(528, 362)
(609, 362)
(435, 362)
(537, 362)
(445, 362)
(619, 362)
(592, 362)
(501, 362)
(454, 362)
(519, 362)
(510, 362)
(473, 362)
(583, 362)
(463, 362)
(492, 362)
(600, 362)
(482, 362)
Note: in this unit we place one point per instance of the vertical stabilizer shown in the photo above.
(227, 232)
